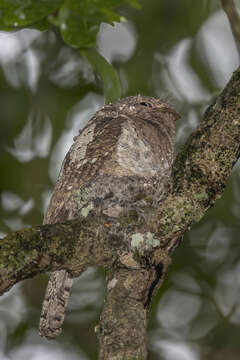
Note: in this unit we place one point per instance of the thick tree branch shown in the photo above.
(124, 306)
(124, 317)
(28, 252)
(137, 244)
(204, 165)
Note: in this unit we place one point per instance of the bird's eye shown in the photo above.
(145, 104)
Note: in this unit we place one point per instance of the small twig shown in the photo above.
(234, 19)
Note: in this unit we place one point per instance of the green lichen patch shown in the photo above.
(82, 200)
(144, 241)
(85, 211)
(137, 240)
(151, 241)
(201, 196)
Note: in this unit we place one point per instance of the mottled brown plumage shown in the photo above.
(124, 152)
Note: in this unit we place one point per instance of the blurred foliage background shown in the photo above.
(182, 51)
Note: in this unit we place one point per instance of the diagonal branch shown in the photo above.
(202, 168)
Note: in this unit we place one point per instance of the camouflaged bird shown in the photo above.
(124, 152)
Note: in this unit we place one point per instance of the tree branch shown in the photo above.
(137, 245)
(28, 252)
(202, 168)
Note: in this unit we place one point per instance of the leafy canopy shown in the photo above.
(78, 22)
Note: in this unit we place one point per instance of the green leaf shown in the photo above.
(109, 76)
(41, 25)
(80, 21)
(19, 13)
(78, 28)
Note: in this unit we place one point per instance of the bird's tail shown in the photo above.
(54, 304)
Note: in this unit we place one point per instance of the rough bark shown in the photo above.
(122, 328)
(135, 246)
(28, 252)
